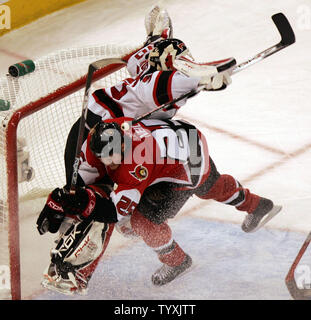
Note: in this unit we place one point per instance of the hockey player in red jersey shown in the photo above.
(156, 166)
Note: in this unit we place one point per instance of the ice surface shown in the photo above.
(258, 130)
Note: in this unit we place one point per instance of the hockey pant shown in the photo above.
(162, 201)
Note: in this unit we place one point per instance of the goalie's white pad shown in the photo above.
(208, 73)
(76, 256)
(158, 22)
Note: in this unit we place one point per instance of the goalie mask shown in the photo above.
(165, 52)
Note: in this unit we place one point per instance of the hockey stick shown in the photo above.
(297, 293)
(287, 38)
(97, 65)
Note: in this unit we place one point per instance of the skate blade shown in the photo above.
(275, 210)
(50, 284)
(179, 276)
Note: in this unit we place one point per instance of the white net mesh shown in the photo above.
(43, 134)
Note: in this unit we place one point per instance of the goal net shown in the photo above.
(44, 105)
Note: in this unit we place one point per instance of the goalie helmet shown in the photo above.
(106, 139)
(165, 52)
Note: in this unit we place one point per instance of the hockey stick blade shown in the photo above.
(287, 38)
(296, 292)
(285, 29)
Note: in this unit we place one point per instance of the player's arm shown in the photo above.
(161, 87)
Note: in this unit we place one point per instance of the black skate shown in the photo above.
(265, 211)
(166, 273)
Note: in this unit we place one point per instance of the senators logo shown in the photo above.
(140, 172)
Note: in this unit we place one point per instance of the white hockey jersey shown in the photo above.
(134, 97)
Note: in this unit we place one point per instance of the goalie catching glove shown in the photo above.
(83, 203)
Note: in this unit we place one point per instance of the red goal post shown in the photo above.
(43, 106)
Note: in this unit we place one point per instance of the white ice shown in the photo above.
(258, 130)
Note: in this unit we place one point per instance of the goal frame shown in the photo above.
(12, 169)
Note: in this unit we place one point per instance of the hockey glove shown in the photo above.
(90, 201)
(218, 82)
(207, 74)
(52, 215)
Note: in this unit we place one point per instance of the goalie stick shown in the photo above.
(97, 65)
(296, 292)
(287, 38)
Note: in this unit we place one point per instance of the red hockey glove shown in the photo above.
(86, 202)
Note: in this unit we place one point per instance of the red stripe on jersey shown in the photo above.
(169, 90)
(169, 86)
(103, 105)
(155, 98)
(108, 103)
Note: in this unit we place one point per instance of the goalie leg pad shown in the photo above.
(76, 256)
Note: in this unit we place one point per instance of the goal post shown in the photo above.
(43, 106)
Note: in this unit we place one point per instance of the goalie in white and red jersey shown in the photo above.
(161, 71)
(156, 166)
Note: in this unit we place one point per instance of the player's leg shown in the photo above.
(72, 140)
(226, 189)
(70, 149)
(159, 203)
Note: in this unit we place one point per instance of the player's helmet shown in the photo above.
(106, 139)
(165, 52)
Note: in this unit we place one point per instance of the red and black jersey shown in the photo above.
(157, 150)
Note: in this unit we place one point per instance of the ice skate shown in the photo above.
(166, 273)
(264, 212)
(66, 283)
